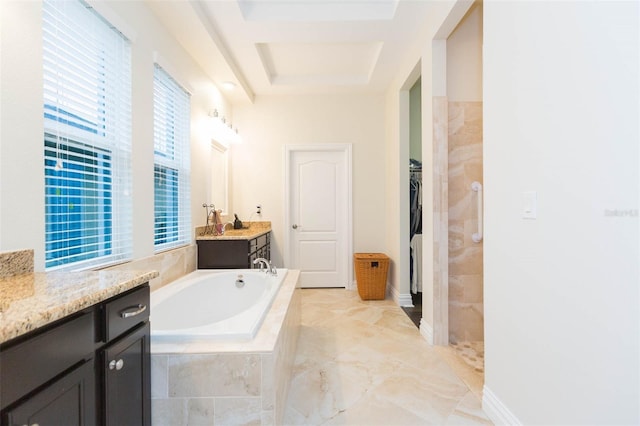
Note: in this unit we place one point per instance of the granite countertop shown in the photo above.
(253, 230)
(31, 300)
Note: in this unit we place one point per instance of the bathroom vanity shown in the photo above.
(74, 348)
(236, 248)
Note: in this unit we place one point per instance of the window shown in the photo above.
(171, 115)
(87, 138)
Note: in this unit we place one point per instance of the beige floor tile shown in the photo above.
(365, 363)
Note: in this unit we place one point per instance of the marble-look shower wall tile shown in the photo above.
(466, 322)
(465, 256)
(465, 288)
(208, 375)
(15, 263)
(268, 419)
(465, 261)
(472, 288)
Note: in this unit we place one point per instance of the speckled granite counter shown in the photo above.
(31, 300)
(255, 229)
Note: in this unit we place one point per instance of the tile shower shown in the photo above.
(465, 271)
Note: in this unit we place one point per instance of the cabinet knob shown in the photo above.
(294, 226)
(116, 365)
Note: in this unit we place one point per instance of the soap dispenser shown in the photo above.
(237, 224)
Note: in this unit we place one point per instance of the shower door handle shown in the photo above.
(477, 236)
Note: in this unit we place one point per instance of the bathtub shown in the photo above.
(213, 305)
(216, 378)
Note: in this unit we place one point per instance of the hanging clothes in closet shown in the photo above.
(415, 224)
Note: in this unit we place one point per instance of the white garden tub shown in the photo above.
(213, 305)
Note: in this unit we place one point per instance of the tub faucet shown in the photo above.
(269, 268)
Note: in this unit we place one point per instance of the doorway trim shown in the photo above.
(346, 151)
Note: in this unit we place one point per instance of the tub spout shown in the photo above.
(268, 266)
(263, 263)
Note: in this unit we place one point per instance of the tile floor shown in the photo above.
(472, 353)
(365, 363)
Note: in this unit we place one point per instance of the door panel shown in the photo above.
(312, 256)
(126, 380)
(69, 401)
(317, 193)
(319, 210)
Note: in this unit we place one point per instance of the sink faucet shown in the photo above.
(269, 268)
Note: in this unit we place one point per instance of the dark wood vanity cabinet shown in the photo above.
(67, 401)
(125, 360)
(233, 254)
(91, 368)
(125, 366)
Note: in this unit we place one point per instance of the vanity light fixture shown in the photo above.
(222, 131)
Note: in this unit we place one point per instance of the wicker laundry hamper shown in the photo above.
(371, 275)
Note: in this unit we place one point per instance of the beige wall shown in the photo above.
(257, 164)
(561, 108)
(415, 121)
(21, 121)
(464, 58)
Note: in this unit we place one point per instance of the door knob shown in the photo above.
(294, 226)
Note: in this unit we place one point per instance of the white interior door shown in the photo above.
(319, 214)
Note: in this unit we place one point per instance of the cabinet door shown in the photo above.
(69, 401)
(223, 254)
(127, 385)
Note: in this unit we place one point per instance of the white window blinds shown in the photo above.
(87, 138)
(172, 175)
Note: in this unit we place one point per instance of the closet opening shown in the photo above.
(415, 203)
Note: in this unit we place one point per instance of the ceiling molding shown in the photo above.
(317, 10)
(215, 37)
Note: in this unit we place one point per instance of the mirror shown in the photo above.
(218, 180)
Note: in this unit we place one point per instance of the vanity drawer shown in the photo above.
(126, 311)
(35, 361)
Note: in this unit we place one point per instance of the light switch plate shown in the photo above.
(529, 205)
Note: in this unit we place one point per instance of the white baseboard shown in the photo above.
(426, 331)
(496, 410)
(402, 299)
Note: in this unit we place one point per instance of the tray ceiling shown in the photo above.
(296, 46)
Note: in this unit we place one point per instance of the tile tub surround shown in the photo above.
(365, 363)
(15, 263)
(171, 264)
(30, 301)
(235, 382)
